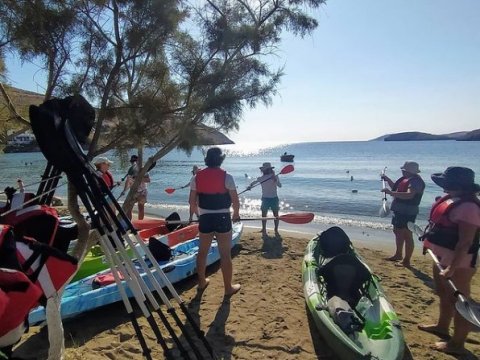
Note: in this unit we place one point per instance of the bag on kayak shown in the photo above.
(105, 279)
(159, 250)
(343, 315)
(333, 241)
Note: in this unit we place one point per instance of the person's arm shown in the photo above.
(235, 205)
(277, 180)
(146, 178)
(388, 180)
(466, 234)
(409, 194)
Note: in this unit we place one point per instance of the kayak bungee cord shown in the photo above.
(66, 154)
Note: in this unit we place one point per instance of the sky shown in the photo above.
(372, 67)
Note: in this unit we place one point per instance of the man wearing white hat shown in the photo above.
(269, 182)
(103, 169)
(407, 194)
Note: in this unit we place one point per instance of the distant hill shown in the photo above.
(473, 135)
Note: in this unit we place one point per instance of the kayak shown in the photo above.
(85, 295)
(147, 223)
(95, 260)
(348, 306)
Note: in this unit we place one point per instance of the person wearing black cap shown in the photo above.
(453, 236)
(212, 193)
(407, 194)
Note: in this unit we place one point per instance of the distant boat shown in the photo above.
(22, 143)
(287, 157)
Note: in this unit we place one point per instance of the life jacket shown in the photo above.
(402, 184)
(18, 295)
(211, 190)
(108, 178)
(442, 231)
(47, 267)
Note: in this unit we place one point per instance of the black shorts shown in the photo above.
(219, 223)
(399, 221)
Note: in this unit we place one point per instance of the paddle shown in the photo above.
(285, 170)
(465, 307)
(293, 218)
(385, 209)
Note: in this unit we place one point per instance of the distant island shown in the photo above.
(473, 135)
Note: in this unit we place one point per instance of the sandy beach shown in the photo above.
(268, 318)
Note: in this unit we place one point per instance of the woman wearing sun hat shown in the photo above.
(407, 194)
(453, 236)
(269, 182)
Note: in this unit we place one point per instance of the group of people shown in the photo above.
(453, 236)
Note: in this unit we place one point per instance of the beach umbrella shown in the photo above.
(469, 310)
(384, 209)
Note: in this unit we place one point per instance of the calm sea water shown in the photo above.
(321, 182)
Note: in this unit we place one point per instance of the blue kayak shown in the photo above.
(81, 296)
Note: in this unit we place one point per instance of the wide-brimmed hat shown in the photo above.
(411, 167)
(102, 160)
(133, 158)
(266, 165)
(456, 178)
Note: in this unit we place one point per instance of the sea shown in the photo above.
(338, 181)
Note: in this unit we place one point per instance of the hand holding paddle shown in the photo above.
(465, 307)
(285, 170)
(385, 209)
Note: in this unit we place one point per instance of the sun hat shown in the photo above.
(266, 165)
(456, 178)
(410, 167)
(133, 158)
(102, 160)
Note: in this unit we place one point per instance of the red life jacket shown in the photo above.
(442, 231)
(402, 184)
(18, 295)
(108, 178)
(211, 190)
(47, 267)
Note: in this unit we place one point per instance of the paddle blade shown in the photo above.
(469, 310)
(287, 169)
(384, 210)
(169, 190)
(297, 218)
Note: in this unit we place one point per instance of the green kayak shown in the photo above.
(346, 301)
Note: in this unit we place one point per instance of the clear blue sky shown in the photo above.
(370, 68)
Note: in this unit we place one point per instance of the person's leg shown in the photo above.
(409, 246)
(462, 279)
(141, 210)
(264, 209)
(276, 221)
(398, 244)
(446, 306)
(224, 241)
(204, 247)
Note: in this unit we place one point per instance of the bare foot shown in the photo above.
(277, 234)
(202, 287)
(435, 330)
(394, 258)
(449, 348)
(403, 264)
(233, 290)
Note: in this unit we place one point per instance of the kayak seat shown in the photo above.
(332, 242)
(346, 277)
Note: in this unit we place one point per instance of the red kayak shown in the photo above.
(147, 223)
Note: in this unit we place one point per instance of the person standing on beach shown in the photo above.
(407, 194)
(453, 236)
(269, 182)
(212, 192)
(102, 164)
(142, 192)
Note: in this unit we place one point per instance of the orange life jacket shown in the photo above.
(211, 190)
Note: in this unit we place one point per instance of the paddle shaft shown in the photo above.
(285, 170)
(295, 218)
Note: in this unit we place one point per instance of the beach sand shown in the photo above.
(267, 319)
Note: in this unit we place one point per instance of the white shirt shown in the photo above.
(269, 187)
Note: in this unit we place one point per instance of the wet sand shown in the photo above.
(267, 319)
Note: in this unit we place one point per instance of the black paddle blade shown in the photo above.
(469, 310)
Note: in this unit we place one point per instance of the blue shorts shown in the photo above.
(270, 203)
(219, 223)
